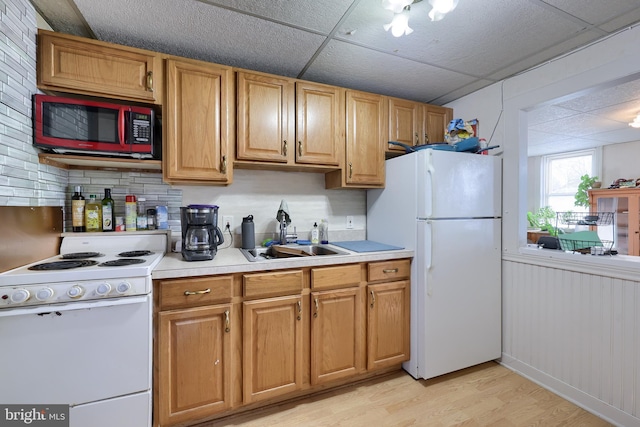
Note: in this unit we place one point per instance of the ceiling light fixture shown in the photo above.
(397, 6)
(636, 122)
(440, 8)
(400, 23)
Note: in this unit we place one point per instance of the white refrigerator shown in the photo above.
(447, 207)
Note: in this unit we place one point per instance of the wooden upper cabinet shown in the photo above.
(435, 121)
(265, 123)
(198, 122)
(90, 67)
(287, 122)
(414, 123)
(405, 123)
(319, 124)
(366, 139)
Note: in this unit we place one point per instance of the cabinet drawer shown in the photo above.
(272, 284)
(389, 270)
(194, 292)
(335, 277)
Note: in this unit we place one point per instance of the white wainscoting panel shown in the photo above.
(576, 333)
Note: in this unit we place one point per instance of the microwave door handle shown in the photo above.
(121, 126)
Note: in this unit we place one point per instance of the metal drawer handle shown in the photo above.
(390, 270)
(373, 299)
(316, 313)
(226, 321)
(299, 310)
(284, 148)
(350, 170)
(206, 291)
(300, 148)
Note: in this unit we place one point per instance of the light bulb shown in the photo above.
(399, 24)
(396, 5)
(440, 8)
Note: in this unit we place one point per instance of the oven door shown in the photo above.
(94, 356)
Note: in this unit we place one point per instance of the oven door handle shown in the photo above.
(73, 306)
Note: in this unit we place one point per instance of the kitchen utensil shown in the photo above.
(200, 232)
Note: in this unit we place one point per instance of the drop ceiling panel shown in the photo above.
(356, 67)
(321, 16)
(194, 29)
(595, 12)
(578, 125)
(625, 92)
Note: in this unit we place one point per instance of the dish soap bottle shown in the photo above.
(315, 234)
(93, 214)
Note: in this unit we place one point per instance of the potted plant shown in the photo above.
(582, 197)
(542, 219)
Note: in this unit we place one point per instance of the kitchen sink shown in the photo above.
(275, 252)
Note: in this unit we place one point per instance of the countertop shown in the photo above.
(231, 260)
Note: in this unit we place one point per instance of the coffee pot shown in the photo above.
(200, 232)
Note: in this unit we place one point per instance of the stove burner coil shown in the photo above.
(122, 262)
(134, 254)
(79, 255)
(63, 265)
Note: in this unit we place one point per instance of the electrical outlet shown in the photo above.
(349, 222)
(227, 219)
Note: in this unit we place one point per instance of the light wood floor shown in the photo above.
(485, 395)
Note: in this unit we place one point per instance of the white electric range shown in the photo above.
(76, 329)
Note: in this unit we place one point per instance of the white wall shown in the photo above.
(504, 105)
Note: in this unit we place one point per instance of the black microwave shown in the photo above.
(66, 125)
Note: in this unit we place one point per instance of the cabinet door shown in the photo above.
(74, 65)
(272, 347)
(435, 123)
(319, 124)
(404, 124)
(265, 118)
(197, 128)
(193, 363)
(366, 134)
(336, 343)
(388, 324)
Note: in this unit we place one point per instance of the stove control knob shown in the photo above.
(103, 289)
(76, 291)
(123, 287)
(44, 294)
(20, 295)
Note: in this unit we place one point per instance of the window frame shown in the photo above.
(596, 169)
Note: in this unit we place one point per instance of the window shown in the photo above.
(561, 175)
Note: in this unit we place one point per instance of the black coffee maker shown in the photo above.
(200, 233)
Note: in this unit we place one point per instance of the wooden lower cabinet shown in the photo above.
(272, 347)
(193, 363)
(336, 343)
(388, 324)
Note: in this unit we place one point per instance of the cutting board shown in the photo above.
(365, 246)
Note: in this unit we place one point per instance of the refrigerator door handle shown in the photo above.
(430, 172)
(428, 255)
